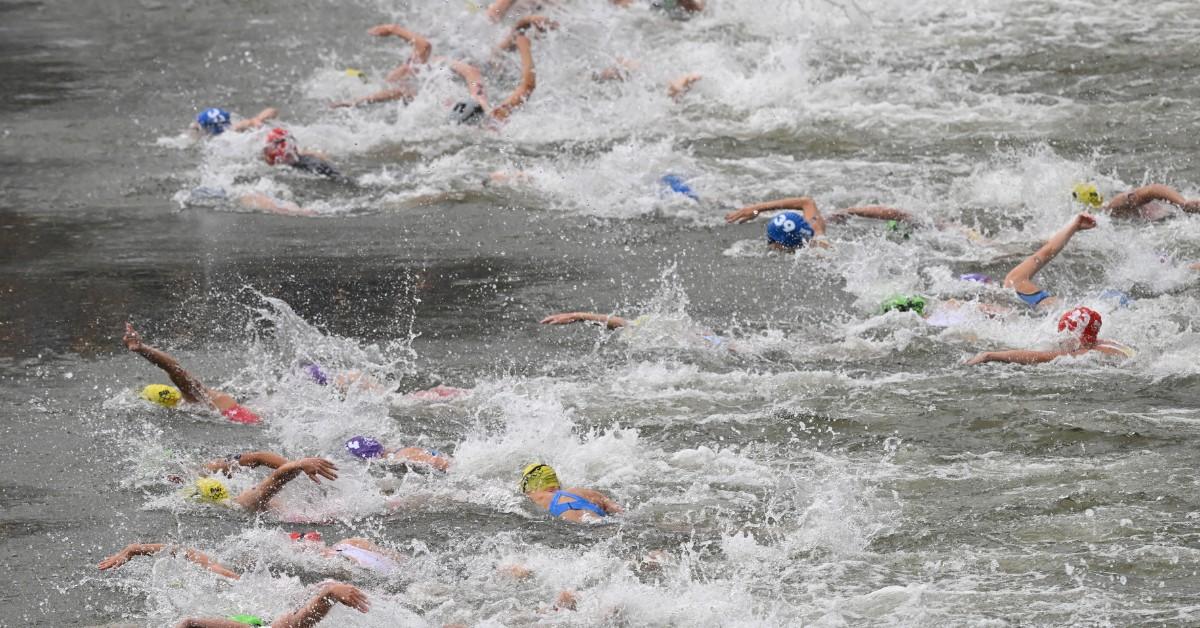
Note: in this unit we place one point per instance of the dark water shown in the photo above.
(835, 467)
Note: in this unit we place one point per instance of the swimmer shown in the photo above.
(946, 313)
(1083, 324)
(789, 230)
(259, 498)
(256, 201)
(359, 551)
(187, 387)
(1145, 202)
(345, 381)
(1020, 278)
(580, 505)
(611, 321)
(366, 448)
(281, 148)
(477, 109)
(399, 77)
(216, 121)
(305, 617)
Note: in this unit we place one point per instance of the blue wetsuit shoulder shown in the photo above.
(557, 507)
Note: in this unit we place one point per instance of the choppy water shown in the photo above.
(834, 467)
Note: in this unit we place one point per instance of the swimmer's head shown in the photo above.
(466, 112)
(163, 395)
(1083, 323)
(211, 490)
(910, 303)
(976, 277)
(311, 535)
(315, 373)
(357, 73)
(538, 477)
(1087, 194)
(281, 147)
(214, 121)
(364, 447)
(676, 184)
(789, 230)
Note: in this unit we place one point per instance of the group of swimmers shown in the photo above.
(792, 224)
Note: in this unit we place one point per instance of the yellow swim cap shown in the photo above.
(211, 490)
(356, 73)
(166, 396)
(538, 477)
(1087, 194)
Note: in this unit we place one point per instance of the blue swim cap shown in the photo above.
(976, 277)
(789, 229)
(678, 186)
(1112, 294)
(214, 120)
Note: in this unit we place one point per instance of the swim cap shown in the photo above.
(1083, 322)
(357, 73)
(466, 112)
(678, 186)
(897, 228)
(976, 277)
(364, 447)
(163, 395)
(789, 229)
(314, 372)
(214, 120)
(538, 477)
(249, 620)
(1087, 194)
(211, 490)
(281, 147)
(311, 535)
(904, 304)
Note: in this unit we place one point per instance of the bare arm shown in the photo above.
(422, 49)
(1021, 277)
(257, 121)
(682, 85)
(250, 459)
(878, 212)
(1132, 200)
(320, 605)
(802, 203)
(539, 22)
(209, 622)
(257, 498)
(1016, 356)
(528, 81)
(497, 9)
(566, 318)
(190, 387)
(149, 549)
(474, 80)
(403, 92)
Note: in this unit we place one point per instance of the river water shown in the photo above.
(823, 465)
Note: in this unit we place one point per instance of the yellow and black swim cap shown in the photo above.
(163, 395)
(538, 477)
(1087, 194)
(211, 490)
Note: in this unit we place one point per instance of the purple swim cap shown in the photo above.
(364, 447)
(976, 277)
(315, 373)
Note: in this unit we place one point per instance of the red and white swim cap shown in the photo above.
(280, 144)
(1083, 322)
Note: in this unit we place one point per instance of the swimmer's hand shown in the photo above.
(315, 467)
(347, 595)
(132, 340)
(1084, 221)
(566, 318)
(744, 214)
(121, 557)
(979, 358)
(540, 22)
(682, 85)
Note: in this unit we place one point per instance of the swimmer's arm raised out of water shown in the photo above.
(257, 498)
(527, 85)
(257, 121)
(192, 390)
(251, 459)
(1021, 277)
(539, 22)
(802, 203)
(566, 318)
(1129, 202)
(150, 549)
(474, 80)
(877, 212)
(677, 88)
(320, 605)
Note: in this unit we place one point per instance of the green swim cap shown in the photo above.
(897, 229)
(912, 303)
(249, 620)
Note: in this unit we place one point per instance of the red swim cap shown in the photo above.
(280, 144)
(1083, 322)
(239, 414)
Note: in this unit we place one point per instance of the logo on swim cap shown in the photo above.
(904, 304)
(789, 229)
(211, 490)
(364, 447)
(280, 148)
(466, 112)
(214, 120)
(163, 395)
(1087, 194)
(311, 535)
(538, 477)
(1083, 322)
